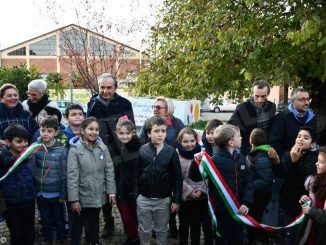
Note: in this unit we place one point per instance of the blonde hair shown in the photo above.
(224, 133)
(169, 105)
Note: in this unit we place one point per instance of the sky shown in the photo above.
(21, 20)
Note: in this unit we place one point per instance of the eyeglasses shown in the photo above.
(157, 107)
(302, 100)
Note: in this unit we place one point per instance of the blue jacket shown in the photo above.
(18, 186)
(50, 173)
(69, 135)
(16, 115)
(262, 171)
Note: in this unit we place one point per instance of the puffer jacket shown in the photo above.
(50, 171)
(158, 176)
(90, 173)
(236, 174)
(125, 157)
(18, 186)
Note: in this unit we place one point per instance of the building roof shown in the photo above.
(66, 27)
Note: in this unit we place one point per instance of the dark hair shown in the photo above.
(261, 84)
(107, 76)
(51, 111)
(155, 121)
(212, 124)
(15, 130)
(186, 131)
(311, 131)
(319, 184)
(73, 106)
(298, 90)
(5, 87)
(224, 133)
(258, 137)
(126, 123)
(87, 122)
(50, 122)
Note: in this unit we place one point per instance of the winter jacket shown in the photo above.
(125, 157)
(236, 174)
(171, 134)
(158, 175)
(285, 128)
(294, 175)
(18, 186)
(245, 117)
(16, 115)
(90, 173)
(189, 185)
(108, 114)
(69, 135)
(50, 171)
(262, 169)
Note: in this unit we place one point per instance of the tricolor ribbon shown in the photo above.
(23, 156)
(208, 170)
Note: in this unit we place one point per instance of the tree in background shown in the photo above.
(20, 76)
(202, 47)
(55, 84)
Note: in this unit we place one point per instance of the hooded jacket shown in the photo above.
(50, 172)
(90, 173)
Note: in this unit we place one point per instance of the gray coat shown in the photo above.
(90, 173)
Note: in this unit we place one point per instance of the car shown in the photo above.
(64, 103)
(223, 105)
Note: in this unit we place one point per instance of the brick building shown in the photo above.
(65, 50)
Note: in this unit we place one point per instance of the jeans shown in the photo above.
(51, 210)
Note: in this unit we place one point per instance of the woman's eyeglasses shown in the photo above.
(157, 107)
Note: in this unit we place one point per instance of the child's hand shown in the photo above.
(304, 199)
(75, 207)
(112, 200)
(61, 200)
(195, 195)
(243, 210)
(198, 156)
(272, 154)
(305, 208)
(175, 207)
(295, 153)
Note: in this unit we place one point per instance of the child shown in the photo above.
(157, 176)
(208, 135)
(75, 116)
(18, 188)
(125, 156)
(295, 166)
(231, 164)
(90, 180)
(193, 193)
(313, 229)
(51, 180)
(262, 172)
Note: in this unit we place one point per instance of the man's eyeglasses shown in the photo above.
(157, 107)
(302, 100)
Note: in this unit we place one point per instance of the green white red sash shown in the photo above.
(208, 170)
(23, 156)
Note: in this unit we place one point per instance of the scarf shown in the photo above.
(35, 108)
(188, 154)
(302, 119)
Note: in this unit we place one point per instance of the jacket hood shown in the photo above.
(261, 148)
(77, 140)
(57, 143)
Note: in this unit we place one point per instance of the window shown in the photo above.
(101, 47)
(46, 47)
(73, 41)
(21, 51)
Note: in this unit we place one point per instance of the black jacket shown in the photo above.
(294, 175)
(109, 114)
(158, 176)
(125, 157)
(284, 130)
(245, 117)
(236, 174)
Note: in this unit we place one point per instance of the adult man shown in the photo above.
(108, 107)
(286, 124)
(256, 112)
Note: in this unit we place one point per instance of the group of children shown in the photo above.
(151, 181)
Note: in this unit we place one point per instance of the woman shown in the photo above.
(37, 99)
(163, 107)
(12, 111)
